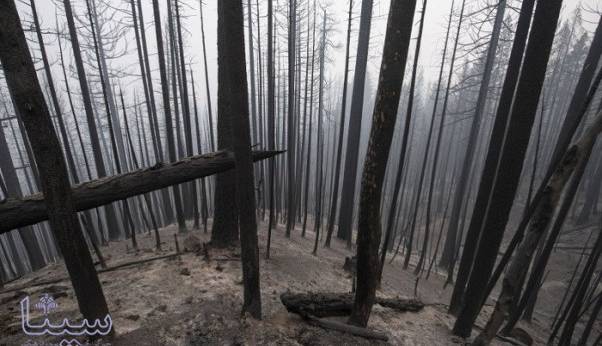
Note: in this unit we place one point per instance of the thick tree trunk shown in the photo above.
(22, 80)
(339, 304)
(225, 231)
(397, 41)
(17, 213)
(233, 81)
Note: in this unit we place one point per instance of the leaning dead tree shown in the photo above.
(395, 52)
(17, 212)
(572, 166)
(29, 101)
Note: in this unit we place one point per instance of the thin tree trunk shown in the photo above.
(271, 121)
(167, 111)
(113, 229)
(472, 245)
(339, 153)
(320, 147)
(409, 242)
(355, 120)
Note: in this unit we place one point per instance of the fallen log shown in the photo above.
(346, 328)
(100, 271)
(20, 212)
(339, 304)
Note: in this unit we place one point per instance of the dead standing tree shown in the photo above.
(570, 169)
(113, 228)
(517, 139)
(397, 41)
(233, 86)
(29, 101)
(171, 146)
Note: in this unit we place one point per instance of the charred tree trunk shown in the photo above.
(207, 88)
(410, 238)
(355, 121)
(225, 230)
(397, 41)
(505, 103)
(171, 149)
(339, 153)
(320, 147)
(517, 138)
(233, 81)
(471, 244)
(554, 201)
(111, 218)
(291, 135)
(271, 120)
(17, 213)
(29, 101)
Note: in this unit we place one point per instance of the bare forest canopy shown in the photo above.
(457, 137)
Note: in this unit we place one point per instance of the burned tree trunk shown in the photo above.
(271, 121)
(339, 153)
(233, 81)
(505, 184)
(397, 41)
(571, 167)
(114, 229)
(171, 149)
(355, 120)
(17, 213)
(29, 101)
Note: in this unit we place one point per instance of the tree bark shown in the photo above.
(397, 41)
(30, 210)
(233, 81)
(22, 80)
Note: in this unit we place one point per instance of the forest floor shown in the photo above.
(195, 301)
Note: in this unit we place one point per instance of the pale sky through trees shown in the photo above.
(434, 33)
